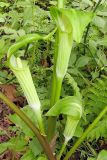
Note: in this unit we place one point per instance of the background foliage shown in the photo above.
(88, 63)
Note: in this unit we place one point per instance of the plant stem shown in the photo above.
(81, 139)
(61, 3)
(62, 150)
(56, 87)
(56, 90)
(53, 89)
(41, 138)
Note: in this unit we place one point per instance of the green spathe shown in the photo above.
(71, 25)
(71, 20)
(64, 51)
(71, 125)
(21, 70)
(72, 107)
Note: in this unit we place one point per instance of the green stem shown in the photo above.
(62, 150)
(61, 3)
(53, 89)
(81, 139)
(56, 90)
(41, 138)
(56, 86)
(51, 128)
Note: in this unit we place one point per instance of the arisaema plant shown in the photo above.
(70, 26)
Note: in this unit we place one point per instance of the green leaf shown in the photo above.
(28, 156)
(71, 20)
(70, 105)
(88, 2)
(2, 19)
(82, 61)
(102, 155)
(20, 123)
(16, 144)
(3, 147)
(35, 146)
(100, 22)
(103, 41)
(42, 158)
(2, 46)
(78, 131)
(3, 4)
(27, 17)
(91, 159)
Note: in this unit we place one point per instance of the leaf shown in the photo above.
(103, 41)
(35, 146)
(78, 131)
(28, 156)
(3, 74)
(100, 22)
(71, 20)
(27, 17)
(16, 144)
(2, 44)
(102, 155)
(70, 105)
(88, 2)
(3, 4)
(42, 158)
(20, 123)
(91, 159)
(82, 61)
(73, 58)
(3, 147)
(2, 19)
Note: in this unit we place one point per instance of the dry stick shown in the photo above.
(81, 139)
(43, 141)
(89, 25)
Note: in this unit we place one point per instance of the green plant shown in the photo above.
(96, 91)
(70, 24)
